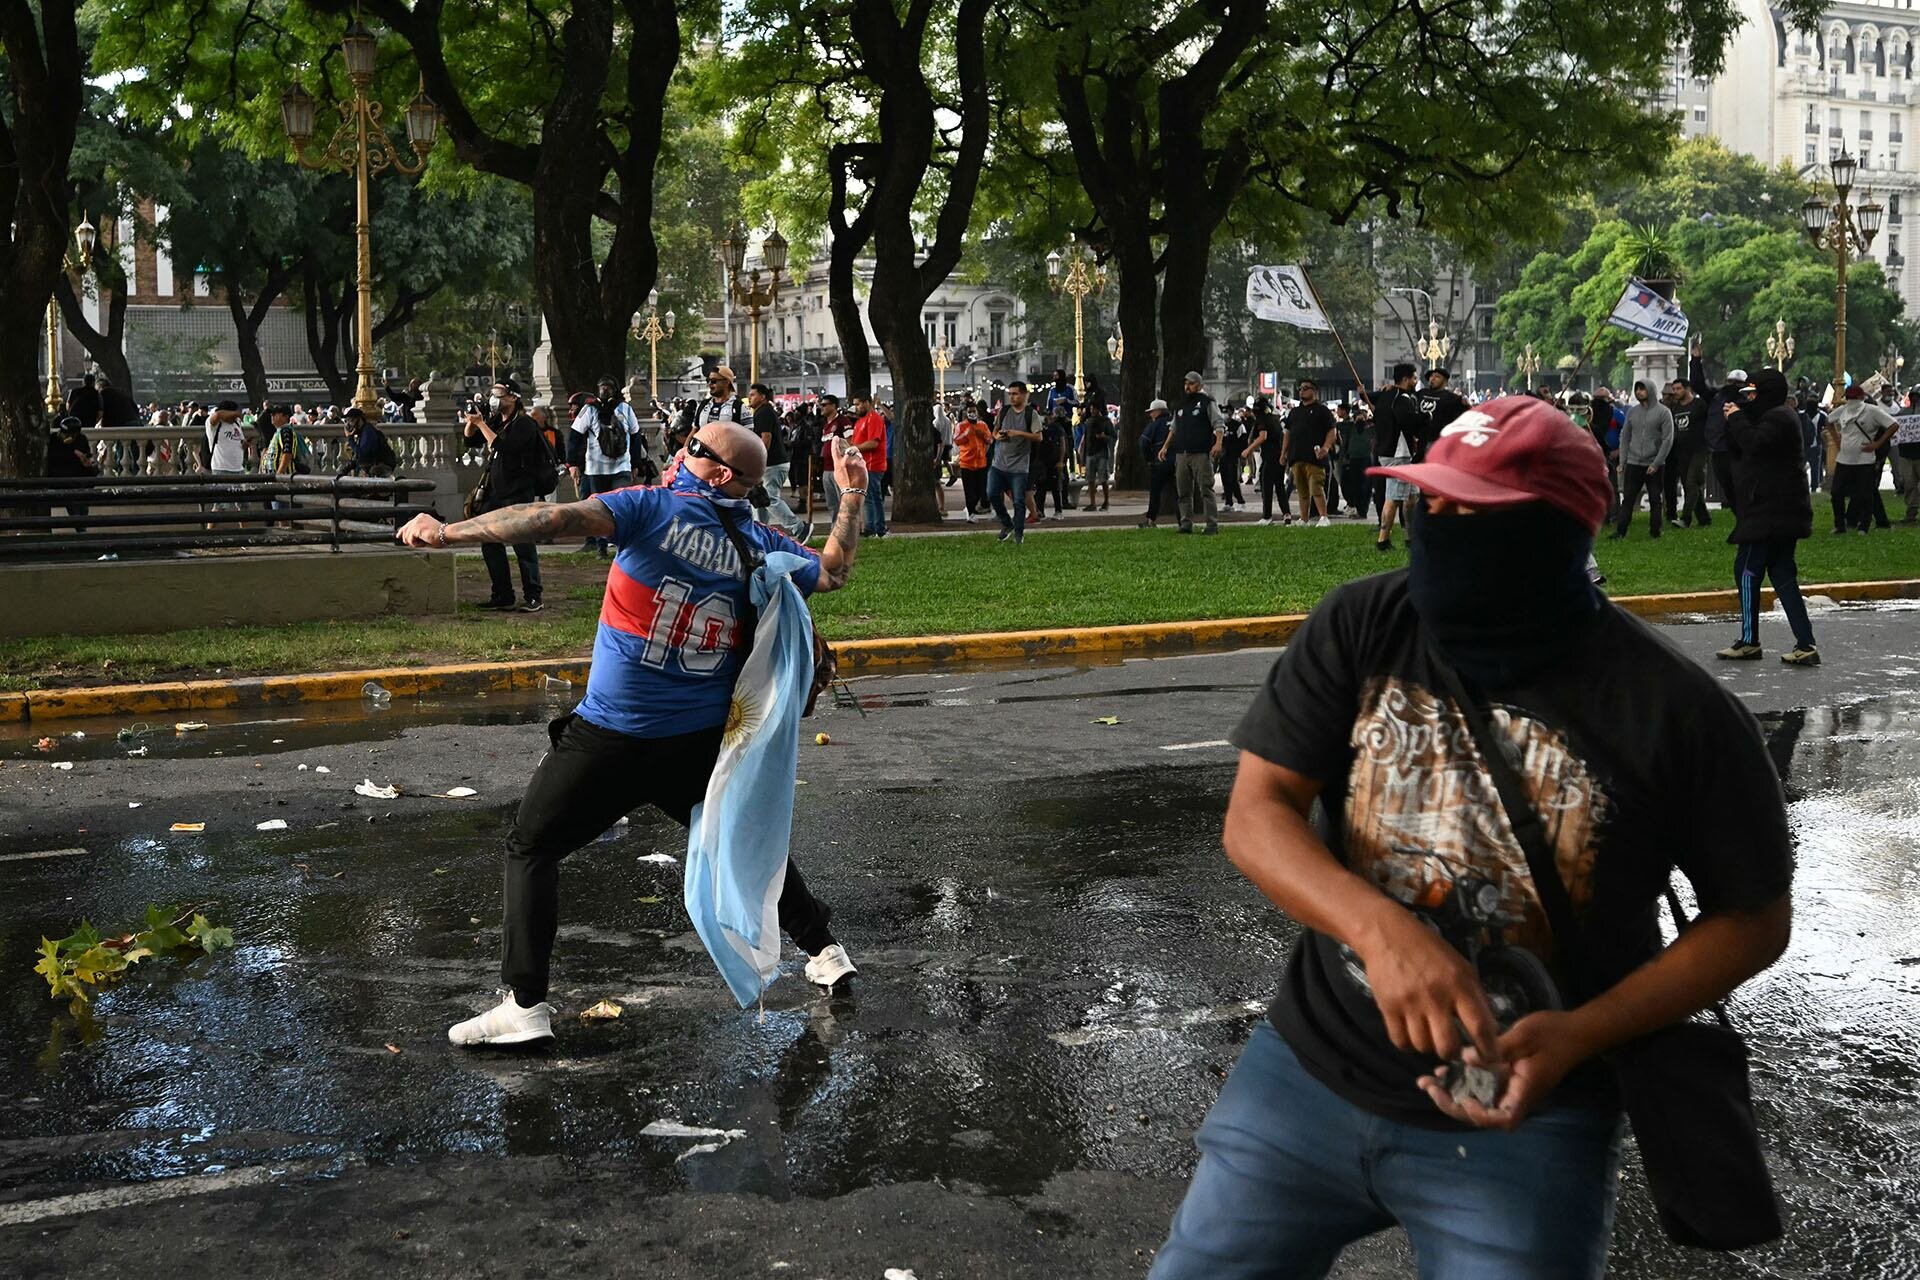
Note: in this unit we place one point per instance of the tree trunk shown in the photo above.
(894, 54)
(107, 350)
(1183, 295)
(42, 83)
(323, 316)
(246, 333)
(587, 309)
(23, 407)
(849, 239)
(1138, 329)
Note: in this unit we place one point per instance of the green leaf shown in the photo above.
(211, 938)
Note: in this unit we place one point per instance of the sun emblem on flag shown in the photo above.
(743, 718)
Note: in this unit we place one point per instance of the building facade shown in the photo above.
(1801, 97)
(981, 325)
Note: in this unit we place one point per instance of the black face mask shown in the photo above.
(1502, 592)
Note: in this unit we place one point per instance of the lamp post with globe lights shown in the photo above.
(1527, 365)
(750, 293)
(1846, 229)
(1436, 346)
(1779, 346)
(362, 145)
(1075, 274)
(84, 236)
(651, 330)
(942, 361)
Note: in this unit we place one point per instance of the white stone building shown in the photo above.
(981, 325)
(1849, 84)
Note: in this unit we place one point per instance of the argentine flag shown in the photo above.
(737, 841)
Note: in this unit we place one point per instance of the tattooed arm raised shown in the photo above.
(526, 522)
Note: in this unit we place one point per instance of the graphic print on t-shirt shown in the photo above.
(1423, 824)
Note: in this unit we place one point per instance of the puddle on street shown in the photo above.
(267, 731)
(1054, 978)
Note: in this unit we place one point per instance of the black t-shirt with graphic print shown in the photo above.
(1637, 761)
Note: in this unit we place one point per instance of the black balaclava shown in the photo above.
(1502, 592)
(1769, 392)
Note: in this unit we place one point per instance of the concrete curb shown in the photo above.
(857, 657)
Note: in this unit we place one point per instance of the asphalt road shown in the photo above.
(1058, 964)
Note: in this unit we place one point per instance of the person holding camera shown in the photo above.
(519, 469)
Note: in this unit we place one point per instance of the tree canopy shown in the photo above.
(1745, 264)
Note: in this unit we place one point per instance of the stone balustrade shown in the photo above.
(163, 451)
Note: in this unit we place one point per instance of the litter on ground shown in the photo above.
(374, 791)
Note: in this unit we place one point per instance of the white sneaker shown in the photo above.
(1263, 522)
(969, 517)
(831, 967)
(506, 1023)
(1323, 523)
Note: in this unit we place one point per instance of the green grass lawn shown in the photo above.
(919, 586)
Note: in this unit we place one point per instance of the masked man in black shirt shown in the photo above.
(517, 456)
(1434, 1057)
(1397, 439)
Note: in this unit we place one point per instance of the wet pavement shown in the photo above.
(1059, 968)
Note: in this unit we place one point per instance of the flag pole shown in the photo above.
(1359, 383)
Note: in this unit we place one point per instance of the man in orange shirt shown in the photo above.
(870, 438)
(971, 440)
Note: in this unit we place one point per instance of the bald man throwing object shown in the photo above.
(665, 661)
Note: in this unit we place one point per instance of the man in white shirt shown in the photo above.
(226, 440)
(606, 439)
(226, 449)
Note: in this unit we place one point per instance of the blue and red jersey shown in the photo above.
(670, 645)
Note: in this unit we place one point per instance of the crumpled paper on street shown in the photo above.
(374, 791)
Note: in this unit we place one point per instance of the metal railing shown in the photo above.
(115, 515)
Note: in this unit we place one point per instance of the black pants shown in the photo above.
(495, 555)
(1722, 464)
(1230, 479)
(1683, 485)
(1273, 480)
(1160, 489)
(1636, 484)
(1354, 484)
(1854, 488)
(580, 788)
(973, 484)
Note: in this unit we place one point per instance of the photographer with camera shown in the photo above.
(519, 468)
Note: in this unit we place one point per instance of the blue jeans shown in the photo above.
(999, 485)
(775, 480)
(1290, 1173)
(876, 504)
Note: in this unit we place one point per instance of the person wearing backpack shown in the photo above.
(520, 467)
(601, 447)
(287, 453)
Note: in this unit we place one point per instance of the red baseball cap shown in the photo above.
(1510, 451)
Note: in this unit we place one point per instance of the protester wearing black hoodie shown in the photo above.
(1773, 511)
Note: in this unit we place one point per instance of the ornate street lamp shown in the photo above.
(1846, 229)
(1075, 273)
(942, 361)
(1436, 346)
(1527, 365)
(1116, 348)
(650, 331)
(84, 237)
(750, 294)
(362, 145)
(1779, 346)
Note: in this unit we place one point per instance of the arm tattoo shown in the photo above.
(843, 544)
(535, 522)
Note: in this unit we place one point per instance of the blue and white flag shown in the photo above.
(1643, 312)
(738, 838)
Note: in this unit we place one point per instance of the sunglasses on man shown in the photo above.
(698, 448)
